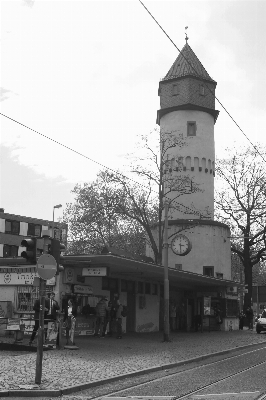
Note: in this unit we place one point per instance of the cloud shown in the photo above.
(28, 3)
(3, 94)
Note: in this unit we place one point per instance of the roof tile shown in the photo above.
(187, 63)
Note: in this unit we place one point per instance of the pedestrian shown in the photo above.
(119, 320)
(241, 320)
(53, 307)
(110, 316)
(70, 312)
(249, 314)
(173, 317)
(36, 308)
(101, 310)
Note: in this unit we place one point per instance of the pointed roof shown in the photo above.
(187, 63)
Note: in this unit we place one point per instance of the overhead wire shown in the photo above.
(117, 172)
(180, 51)
(84, 156)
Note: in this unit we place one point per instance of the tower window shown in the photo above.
(202, 90)
(208, 271)
(175, 89)
(191, 128)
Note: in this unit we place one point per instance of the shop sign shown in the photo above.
(101, 271)
(13, 324)
(83, 289)
(21, 278)
(69, 275)
(231, 290)
(207, 305)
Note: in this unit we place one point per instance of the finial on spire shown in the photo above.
(186, 38)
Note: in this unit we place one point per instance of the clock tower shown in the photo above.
(187, 110)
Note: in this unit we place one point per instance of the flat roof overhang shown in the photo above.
(125, 268)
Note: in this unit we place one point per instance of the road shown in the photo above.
(241, 371)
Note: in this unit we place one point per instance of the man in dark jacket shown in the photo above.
(36, 309)
(249, 315)
(53, 307)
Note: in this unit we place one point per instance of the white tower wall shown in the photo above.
(197, 156)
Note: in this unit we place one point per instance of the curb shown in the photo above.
(83, 386)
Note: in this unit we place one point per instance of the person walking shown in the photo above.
(36, 308)
(119, 320)
(249, 314)
(101, 310)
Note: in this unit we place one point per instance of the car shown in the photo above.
(261, 323)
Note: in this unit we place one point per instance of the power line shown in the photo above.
(69, 148)
(90, 159)
(202, 80)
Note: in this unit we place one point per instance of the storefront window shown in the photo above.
(26, 296)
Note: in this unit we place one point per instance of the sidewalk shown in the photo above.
(97, 360)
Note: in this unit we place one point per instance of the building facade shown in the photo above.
(16, 275)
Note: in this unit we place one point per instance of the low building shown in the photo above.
(17, 293)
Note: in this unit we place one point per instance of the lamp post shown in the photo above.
(57, 206)
(166, 279)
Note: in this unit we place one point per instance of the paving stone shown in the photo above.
(99, 360)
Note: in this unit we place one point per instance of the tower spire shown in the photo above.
(186, 38)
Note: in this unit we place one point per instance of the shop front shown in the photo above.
(201, 302)
(18, 294)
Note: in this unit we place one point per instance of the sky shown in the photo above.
(86, 74)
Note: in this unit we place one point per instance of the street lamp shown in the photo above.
(57, 206)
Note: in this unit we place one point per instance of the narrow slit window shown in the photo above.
(202, 90)
(191, 128)
(176, 89)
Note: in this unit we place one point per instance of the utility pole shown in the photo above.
(166, 280)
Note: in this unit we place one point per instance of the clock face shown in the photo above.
(181, 245)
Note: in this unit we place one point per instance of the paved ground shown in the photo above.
(100, 359)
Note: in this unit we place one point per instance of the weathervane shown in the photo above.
(186, 34)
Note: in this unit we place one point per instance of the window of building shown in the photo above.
(34, 230)
(175, 89)
(147, 288)
(123, 285)
(12, 227)
(140, 287)
(209, 271)
(178, 267)
(191, 128)
(10, 251)
(154, 288)
(202, 90)
(26, 296)
(219, 275)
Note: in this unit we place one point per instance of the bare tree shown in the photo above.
(160, 177)
(240, 202)
(116, 206)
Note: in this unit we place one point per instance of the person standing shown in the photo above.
(70, 312)
(249, 314)
(119, 320)
(173, 317)
(101, 310)
(36, 308)
(53, 307)
(241, 320)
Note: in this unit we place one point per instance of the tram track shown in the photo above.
(194, 369)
